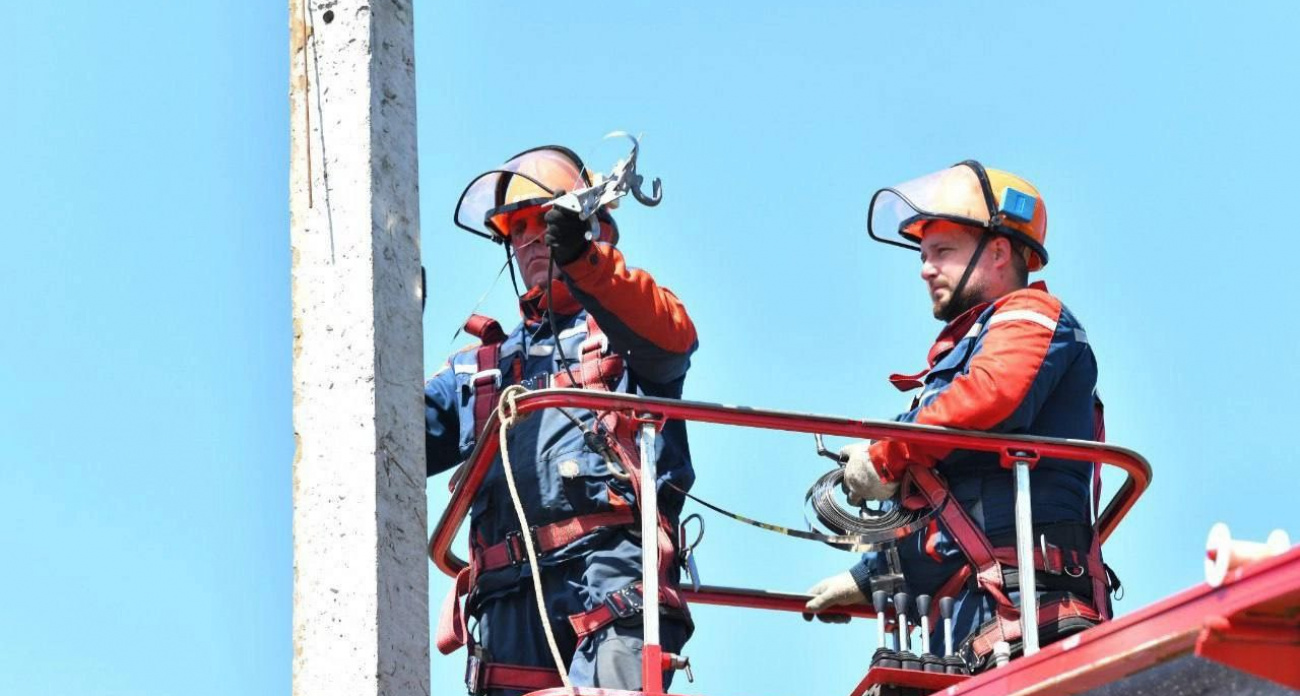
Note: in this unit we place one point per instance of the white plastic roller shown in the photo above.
(1224, 554)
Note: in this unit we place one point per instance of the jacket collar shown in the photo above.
(952, 332)
(957, 329)
(533, 305)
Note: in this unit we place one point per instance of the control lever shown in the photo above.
(945, 612)
(923, 609)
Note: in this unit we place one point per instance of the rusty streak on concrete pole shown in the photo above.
(361, 594)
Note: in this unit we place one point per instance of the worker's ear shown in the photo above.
(1000, 250)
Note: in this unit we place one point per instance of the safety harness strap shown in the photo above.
(482, 676)
(609, 368)
(485, 329)
(1057, 561)
(595, 370)
(486, 382)
(510, 552)
(623, 427)
(1050, 614)
(452, 629)
(968, 537)
(598, 369)
(622, 604)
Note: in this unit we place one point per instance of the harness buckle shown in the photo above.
(1053, 557)
(625, 602)
(516, 551)
(475, 671)
(494, 373)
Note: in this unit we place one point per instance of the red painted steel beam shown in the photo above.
(1164, 630)
(1267, 647)
(907, 678)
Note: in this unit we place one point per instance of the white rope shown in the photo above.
(506, 413)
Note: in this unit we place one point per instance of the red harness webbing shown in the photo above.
(1049, 613)
(624, 432)
(988, 560)
(498, 675)
(594, 373)
(486, 382)
(617, 605)
(452, 630)
(968, 537)
(597, 371)
(549, 538)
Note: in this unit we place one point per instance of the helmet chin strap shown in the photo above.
(965, 276)
(510, 258)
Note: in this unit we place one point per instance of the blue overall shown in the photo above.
(1019, 365)
(559, 477)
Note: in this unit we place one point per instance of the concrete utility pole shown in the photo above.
(361, 583)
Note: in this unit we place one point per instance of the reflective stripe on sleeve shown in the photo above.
(1022, 315)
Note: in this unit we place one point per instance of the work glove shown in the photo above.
(837, 590)
(566, 234)
(860, 476)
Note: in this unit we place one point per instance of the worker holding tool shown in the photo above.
(1011, 359)
(591, 322)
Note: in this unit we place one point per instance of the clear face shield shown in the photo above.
(528, 179)
(959, 194)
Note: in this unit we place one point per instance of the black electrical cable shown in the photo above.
(889, 523)
(592, 439)
(550, 314)
(866, 531)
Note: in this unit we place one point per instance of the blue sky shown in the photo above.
(146, 440)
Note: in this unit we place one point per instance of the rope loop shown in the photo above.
(507, 409)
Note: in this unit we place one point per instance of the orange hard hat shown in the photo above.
(530, 179)
(967, 194)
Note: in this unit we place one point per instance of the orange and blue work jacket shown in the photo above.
(557, 474)
(1018, 365)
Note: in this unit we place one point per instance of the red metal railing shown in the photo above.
(1133, 464)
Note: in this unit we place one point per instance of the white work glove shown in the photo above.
(860, 475)
(834, 591)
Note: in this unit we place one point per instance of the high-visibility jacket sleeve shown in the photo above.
(441, 422)
(644, 321)
(1019, 356)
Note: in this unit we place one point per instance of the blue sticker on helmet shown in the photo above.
(1018, 204)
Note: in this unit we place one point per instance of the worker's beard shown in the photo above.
(959, 303)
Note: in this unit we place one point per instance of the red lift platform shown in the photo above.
(1242, 637)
